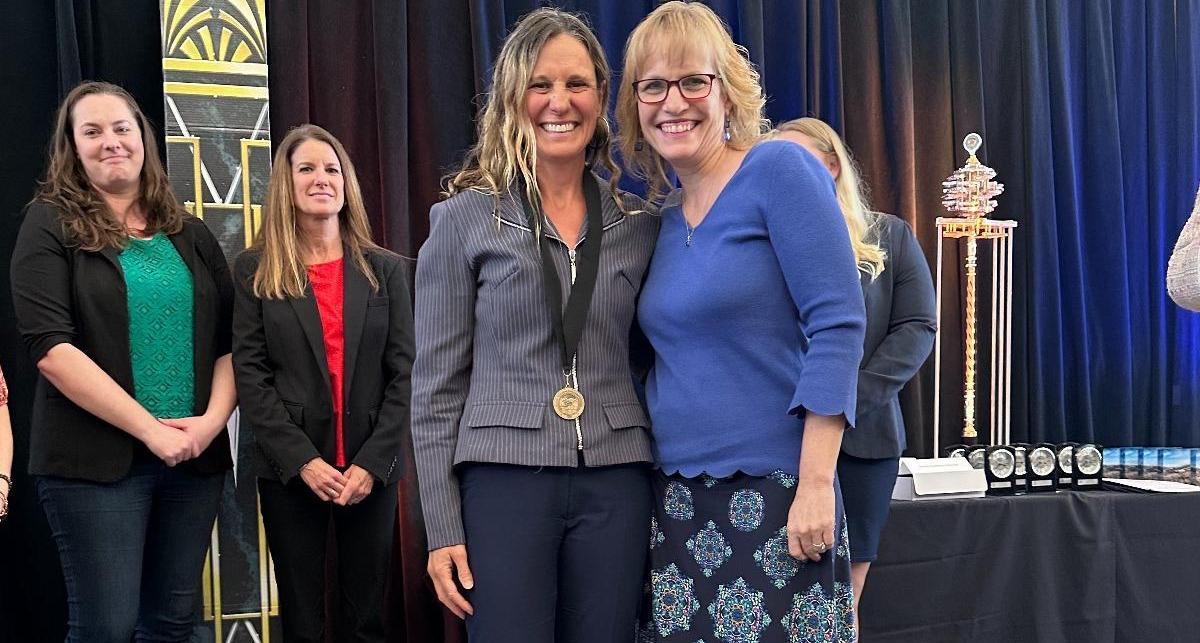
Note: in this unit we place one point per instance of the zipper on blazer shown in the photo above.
(574, 369)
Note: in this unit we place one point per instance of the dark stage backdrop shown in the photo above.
(1088, 112)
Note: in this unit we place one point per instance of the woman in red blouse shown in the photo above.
(6, 449)
(322, 351)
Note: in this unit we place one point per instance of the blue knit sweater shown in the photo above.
(758, 320)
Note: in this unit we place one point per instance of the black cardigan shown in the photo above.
(64, 294)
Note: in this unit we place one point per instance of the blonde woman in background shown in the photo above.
(530, 442)
(901, 320)
(755, 313)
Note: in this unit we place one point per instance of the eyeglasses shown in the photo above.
(655, 90)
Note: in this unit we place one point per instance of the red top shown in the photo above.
(327, 286)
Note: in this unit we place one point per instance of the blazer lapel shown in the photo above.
(356, 288)
(310, 320)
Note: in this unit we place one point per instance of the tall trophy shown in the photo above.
(968, 194)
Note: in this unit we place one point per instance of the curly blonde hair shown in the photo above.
(506, 147)
(681, 30)
(850, 190)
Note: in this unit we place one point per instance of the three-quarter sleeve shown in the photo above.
(812, 246)
(445, 323)
(41, 283)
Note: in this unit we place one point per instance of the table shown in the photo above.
(1087, 567)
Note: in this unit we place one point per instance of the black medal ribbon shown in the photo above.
(568, 324)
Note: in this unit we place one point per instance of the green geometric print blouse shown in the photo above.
(159, 289)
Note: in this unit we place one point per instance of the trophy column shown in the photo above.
(968, 193)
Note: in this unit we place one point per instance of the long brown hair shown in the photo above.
(87, 220)
(281, 273)
(506, 149)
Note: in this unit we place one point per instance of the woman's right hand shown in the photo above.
(171, 445)
(326, 482)
(443, 563)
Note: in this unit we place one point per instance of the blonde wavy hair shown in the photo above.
(506, 146)
(281, 272)
(687, 31)
(850, 190)
(86, 218)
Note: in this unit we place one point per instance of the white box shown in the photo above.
(938, 478)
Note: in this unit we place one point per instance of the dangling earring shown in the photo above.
(728, 135)
(639, 145)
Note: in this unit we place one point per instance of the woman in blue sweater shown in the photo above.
(754, 309)
(901, 322)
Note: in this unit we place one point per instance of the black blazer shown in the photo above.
(283, 376)
(901, 322)
(64, 294)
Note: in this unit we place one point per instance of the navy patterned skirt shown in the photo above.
(721, 572)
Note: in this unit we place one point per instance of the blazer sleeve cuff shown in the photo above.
(41, 346)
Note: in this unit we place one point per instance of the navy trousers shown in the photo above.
(558, 553)
(132, 551)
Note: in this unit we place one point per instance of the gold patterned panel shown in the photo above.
(218, 158)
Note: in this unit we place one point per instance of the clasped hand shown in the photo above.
(331, 485)
(175, 440)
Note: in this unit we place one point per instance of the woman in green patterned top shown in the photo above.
(124, 302)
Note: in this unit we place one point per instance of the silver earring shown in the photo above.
(639, 145)
(728, 135)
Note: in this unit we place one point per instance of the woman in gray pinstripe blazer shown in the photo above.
(536, 519)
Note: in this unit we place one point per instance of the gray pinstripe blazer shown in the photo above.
(487, 363)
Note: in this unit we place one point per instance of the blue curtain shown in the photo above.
(1089, 115)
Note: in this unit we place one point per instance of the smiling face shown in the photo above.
(317, 182)
(108, 142)
(683, 131)
(562, 100)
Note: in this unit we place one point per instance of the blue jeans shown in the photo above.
(132, 551)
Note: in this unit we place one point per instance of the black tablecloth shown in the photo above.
(1095, 567)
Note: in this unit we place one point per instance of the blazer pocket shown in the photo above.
(626, 415)
(377, 301)
(515, 415)
(296, 412)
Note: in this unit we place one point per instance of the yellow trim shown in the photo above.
(177, 37)
(247, 210)
(218, 618)
(217, 91)
(263, 565)
(215, 66)
(198, 187)
(206, 585)
(231, 20)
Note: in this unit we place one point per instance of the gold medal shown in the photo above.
(568, 403)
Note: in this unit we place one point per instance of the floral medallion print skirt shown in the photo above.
(721, 572)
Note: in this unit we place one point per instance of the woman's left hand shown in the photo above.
(359, 486)
(810, 521)
(201, 428)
